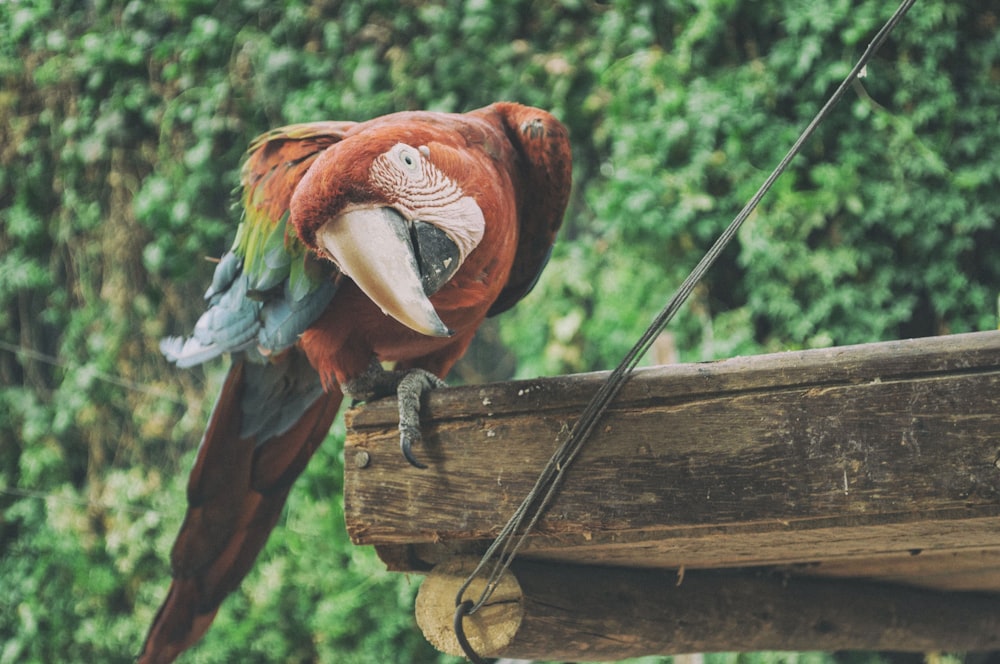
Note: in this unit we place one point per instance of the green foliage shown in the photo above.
(878, 231)
(124, 125)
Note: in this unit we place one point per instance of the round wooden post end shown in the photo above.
(489, 630)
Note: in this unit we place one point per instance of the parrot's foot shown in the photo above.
(412, 387)
(409, 386)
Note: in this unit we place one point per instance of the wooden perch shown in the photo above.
(877, 462)
(573, 612)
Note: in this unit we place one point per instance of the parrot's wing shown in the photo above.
(542, 145)
(267, 289)
(270, 416)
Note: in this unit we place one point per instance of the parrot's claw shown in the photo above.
(409, 387)
(412, 386)
(406, 439)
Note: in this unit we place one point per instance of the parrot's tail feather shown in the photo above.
(236, 493)
(175, 627)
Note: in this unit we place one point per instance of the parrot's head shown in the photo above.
(387, 214)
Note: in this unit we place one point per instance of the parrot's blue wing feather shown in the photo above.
(292, 383)
(267, 289)
(284, 319)
(228, 325)
(270, 321)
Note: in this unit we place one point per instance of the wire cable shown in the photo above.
(512, 536)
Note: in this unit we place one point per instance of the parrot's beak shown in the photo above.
(396, 263)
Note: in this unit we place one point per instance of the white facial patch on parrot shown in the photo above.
(420, 191)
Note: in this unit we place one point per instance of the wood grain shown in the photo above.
(846, 498)
(810, 458)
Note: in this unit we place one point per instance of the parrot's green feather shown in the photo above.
(272, 254)
(299, 283)
(266, 243)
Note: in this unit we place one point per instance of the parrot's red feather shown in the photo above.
(236, 494)
(278, 159)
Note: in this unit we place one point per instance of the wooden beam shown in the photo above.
(573, 613)
(799, 459)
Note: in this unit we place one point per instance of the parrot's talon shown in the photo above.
(405, 444)
(409, 386)
(412, 386)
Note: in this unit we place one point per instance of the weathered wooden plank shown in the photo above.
(841, 453)
(569, 612)
(945, 555)
(825, 366)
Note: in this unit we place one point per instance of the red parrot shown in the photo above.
(386, 241)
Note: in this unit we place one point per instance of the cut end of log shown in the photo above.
(489, 630)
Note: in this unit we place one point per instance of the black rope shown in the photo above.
(508, 542)
(462, 610)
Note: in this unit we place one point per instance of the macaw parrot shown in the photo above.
(361, 245)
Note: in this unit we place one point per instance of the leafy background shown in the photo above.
(123, 126)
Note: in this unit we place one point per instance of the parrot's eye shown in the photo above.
(409, 158)
(403, 165)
